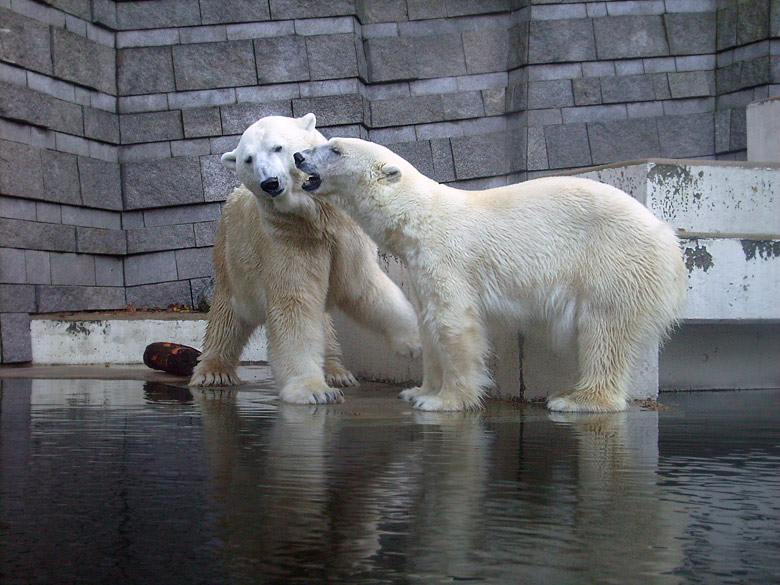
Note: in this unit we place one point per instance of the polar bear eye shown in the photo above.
(248, 160)
(277, 149)
(335, 150)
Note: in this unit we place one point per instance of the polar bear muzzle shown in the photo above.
(313, 181)
(271, 186)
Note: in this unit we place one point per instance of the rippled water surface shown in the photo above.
(124, 482)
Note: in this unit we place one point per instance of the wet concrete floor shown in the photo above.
(121, 475)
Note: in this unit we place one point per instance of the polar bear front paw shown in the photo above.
(410, 394)
(338, 375)
(310, 391)
(206, 375)
(438, 404)
(571, 403)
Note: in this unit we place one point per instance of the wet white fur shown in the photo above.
(582, 257)
(281, 262)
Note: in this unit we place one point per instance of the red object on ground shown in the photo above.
(173, 358)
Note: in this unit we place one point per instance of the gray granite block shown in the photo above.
(286, 9)
(480, 156)
(691, 84)
(15, 338)
(83, 61)
(17, 298)
(331, 56)
(53, 299)
(587, 91)
(567, 146)
(332, 110)
(189, 214)
(214, 65)
(144, 70)
(161, 295)
(418, 154)
(205, 233)
(15, 233)
(624, 37)
(150, 268)
(281, 59)
(169, 182)
(691, 33)
(371, 11)
(226, 11)
(238, 117)
(16, 208)
(159, 14)
(443, 163)
(390, 59)
(86, 217)
(60, 177)
(469, 7)
(546, 42)
(26, 42)
(151, 127)
(486, 50)
(458, 106)
(73, 269)
(629, 88)
(753, 21)
(21, 103)
(91, 240)
(101, 183)
(218, 182)
(153, 239)
(426, 9)
(439, 55)
(101, 125)
(550, 94)
(194, 263)
(12, 266)
(109, 271)
(405, 111)
(200, 122)
(20, 170)
(37, 267)
(687, 136)
(623, 140)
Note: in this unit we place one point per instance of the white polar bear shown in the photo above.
(281, 257)
(583, 257)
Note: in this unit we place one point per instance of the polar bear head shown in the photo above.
(368, 181)
(349, 166)
(263, 158)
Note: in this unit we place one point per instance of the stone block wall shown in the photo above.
(113, 113)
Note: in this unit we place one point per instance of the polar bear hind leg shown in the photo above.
(607, 348)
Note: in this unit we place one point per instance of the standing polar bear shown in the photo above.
(281, 257)
(583, 257)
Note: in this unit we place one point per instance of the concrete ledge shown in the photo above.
(120, 338)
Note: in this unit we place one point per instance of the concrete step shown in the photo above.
(120, 337)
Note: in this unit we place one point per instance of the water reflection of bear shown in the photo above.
(310, 496)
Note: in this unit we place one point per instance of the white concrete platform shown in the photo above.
(120, 338)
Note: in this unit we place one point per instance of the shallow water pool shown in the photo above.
(112, 481)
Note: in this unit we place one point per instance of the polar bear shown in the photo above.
(281, 257)
(582, 257)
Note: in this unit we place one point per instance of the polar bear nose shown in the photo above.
(270, 186)
(298, 157)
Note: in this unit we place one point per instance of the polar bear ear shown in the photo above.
(389, 174)
(228, 160)
(307, 122)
